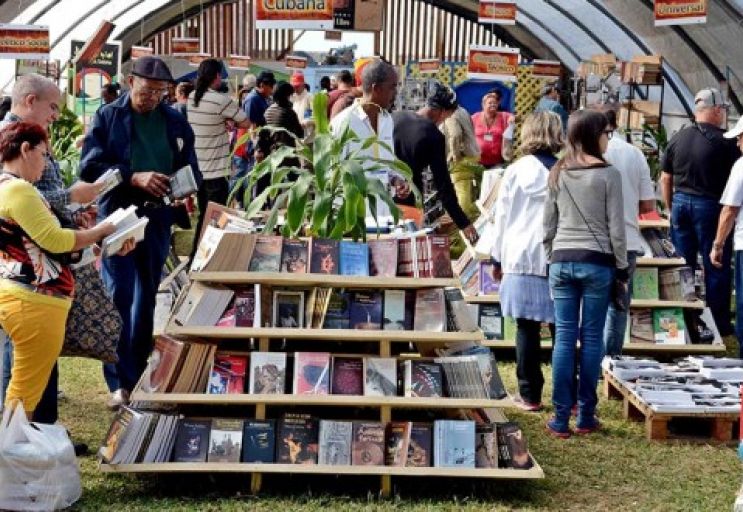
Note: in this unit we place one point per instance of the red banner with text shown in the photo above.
(498, 12)
(680, 12)
(493, 63)
(24, 41)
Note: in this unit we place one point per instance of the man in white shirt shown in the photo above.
(302, 105)
(639, 197)
(731, 201)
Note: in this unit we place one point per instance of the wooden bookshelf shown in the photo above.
(629, 348)
(395, 402)
(661, 262)
(639, 303)
(312, 280)
(661, 224)
(483, 299)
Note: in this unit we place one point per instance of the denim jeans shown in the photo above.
(581, 295)
(739, 300)
(616, 321)
(693, 229)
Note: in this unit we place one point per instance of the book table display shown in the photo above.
(339, 386)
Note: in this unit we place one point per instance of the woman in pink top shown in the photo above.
(489, 127)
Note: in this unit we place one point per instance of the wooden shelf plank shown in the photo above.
(323, 334)
(205, 467)
(660, 262)
(309, 280)
(511, 344)
(493, 298)
(687, 348)
(662, 223)
(397, 402)
(638, 303)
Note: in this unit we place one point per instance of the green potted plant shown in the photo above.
(326, 195)
(62, 136)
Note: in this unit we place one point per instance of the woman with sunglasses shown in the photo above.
(585, 242)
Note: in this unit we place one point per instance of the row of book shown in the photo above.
(461, 371)
(410, 256)
(425, 309)
(656, 243)
(668, 326)
(689, 385)
(642, 70)
(148, 437)
(476, 277)
(675, 284)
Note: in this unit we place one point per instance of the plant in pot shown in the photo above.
(62, 136)
(327, 194)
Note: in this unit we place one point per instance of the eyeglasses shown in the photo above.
(609, 133)
(160, 93)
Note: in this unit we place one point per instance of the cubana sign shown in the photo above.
(493, 63)
(500, 13)
(680, 12)
(290, 14)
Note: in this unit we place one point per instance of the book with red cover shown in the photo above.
(168, 350)
(405, 263)
(228, 318)
(440, 257)
(227, 376)
(266, 254)
(367, 446)
(311, 373)
(347, 376)
(294, 256)
(245, 307)
(324, 256)
(383, 254)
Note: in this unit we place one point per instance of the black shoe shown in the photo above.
(81, 449)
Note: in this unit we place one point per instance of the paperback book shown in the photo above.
(354, 258)
(347, 376)
(227, 375)
(335, 443)
(380, 376)
(394, 310)
(490, 320)
(338, 311)
(366, 310)
(422, 379)
(641, 326)
(192, 440)
(288, 309)
(324, 257)
(311, 373)
(267, 373)
(398, 440)
(420, 448)
(669, 326)
(368, 444)
(454, 443)
(297, 439)
(430, 310)
(294, 256)
(512, 438)
(383, 257)
(266, 254)
(489, 285)
(440, 258)
(486, 446)
(645, 283)
(225, 442)
(259, 441)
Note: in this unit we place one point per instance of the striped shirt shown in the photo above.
(212, 142)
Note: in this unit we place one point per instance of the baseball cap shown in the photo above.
(265, 77)
(151, 68)
(710, 97)
(736, 131)
(297, 78)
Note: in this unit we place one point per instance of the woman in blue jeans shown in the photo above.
(586, 246)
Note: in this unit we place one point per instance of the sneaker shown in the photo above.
(526, 406)
(589, 429)
(118, 398)
(554, 430)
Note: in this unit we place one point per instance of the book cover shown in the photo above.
(459, 314)
(354, 257)
(380, 376)
(266, 254)
(267, 373)
(394, 310)
(368, 444)
(423, 379)
(641, 326)
(347, 376)
(420, 446)
(514, 438)
(405, 261)
(490, 320)
(297, 439)
(422, 259)
(311, 373)
(225, 441)
(259, 441)
(288, 309)
(486, 446)
(440, 257)
(669, 326)
(294, 256)
(645, 283)
(398, 440)
(227, 375)
(454, 443)
(245, 308)
(366, 310)
(430, 310)
(383, 257)
(120, 429)
(165, 357)
(488, 283)
(335, 443)
(324, 258)
(677, 284)
(228, 318)
(192, 440)
(338, 313)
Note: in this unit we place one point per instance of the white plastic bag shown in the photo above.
(38, 467)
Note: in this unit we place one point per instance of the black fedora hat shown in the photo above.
(152, 68)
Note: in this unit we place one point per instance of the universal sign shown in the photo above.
(680, 12)
(500, 13)
(290, 14)
(493, 63)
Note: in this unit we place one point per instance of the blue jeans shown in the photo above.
(739, 300)
(132, 281)
(581, 294)
(693, 228)
(616, 321)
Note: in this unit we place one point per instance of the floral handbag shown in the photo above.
(94, 324)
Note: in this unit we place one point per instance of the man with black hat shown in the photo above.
(550, 102)
(147, 141)
(420, 144)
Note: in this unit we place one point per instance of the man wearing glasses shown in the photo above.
(696, 166)
(147, 141)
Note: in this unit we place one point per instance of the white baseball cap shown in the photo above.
(736, 131)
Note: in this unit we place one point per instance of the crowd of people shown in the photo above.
(567, 235)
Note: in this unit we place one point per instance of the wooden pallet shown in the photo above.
(657, 424)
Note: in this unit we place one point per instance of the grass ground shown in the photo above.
(616, 469)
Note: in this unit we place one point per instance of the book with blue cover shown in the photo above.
(259, 441)
(366, 310)
(454, 444)
(354, 258)
(338, 311)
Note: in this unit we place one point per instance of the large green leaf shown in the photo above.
(322, 158)
(295, 209)
(320, 113)
(320, 213)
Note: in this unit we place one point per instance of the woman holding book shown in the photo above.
(36, 283)
(585, 242)
(518, 250)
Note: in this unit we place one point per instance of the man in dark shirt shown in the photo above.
(696, 166)
(259, 99)
(420, 144)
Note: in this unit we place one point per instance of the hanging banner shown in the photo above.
(680, 12)
(24, 41)
(140, 51)
(500, 13)
(294, 14)
(296, 62)
(343, 14)
(47, 68)
(197, 58)
(493, 63)
(185, 46)
(90, 78)
(429, 66)
(94, 45)
(546, 69)
(239, 62)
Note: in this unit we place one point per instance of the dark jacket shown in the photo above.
(108, 144)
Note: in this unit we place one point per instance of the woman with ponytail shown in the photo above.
(209, 112)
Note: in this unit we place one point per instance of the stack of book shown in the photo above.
(638, 113)
(643, 70)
